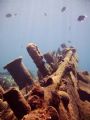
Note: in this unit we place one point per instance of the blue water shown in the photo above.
(44, 23)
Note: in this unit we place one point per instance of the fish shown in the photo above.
(63, 45)
(69, 27)
(69, 41)
(81, 18)
(8, 15)
(63, 9)
(45, 14)
(15, 14)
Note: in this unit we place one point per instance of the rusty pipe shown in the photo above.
(19, 72)
(37, 58)
(17, 102)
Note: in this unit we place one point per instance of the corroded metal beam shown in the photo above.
(62, 67)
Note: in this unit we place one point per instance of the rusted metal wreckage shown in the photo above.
(55, 94)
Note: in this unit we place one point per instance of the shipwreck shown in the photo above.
(60, 91)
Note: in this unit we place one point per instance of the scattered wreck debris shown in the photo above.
(60, 94)
(51, 61)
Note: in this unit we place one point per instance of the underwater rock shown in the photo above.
(17, 102)
(19, 72)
